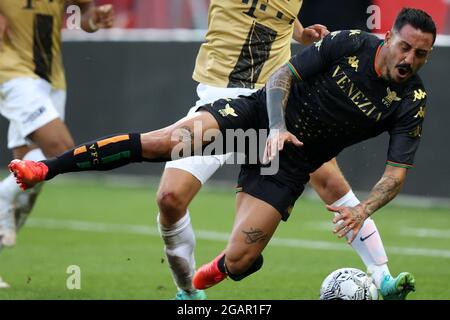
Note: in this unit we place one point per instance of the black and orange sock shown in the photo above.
(101, 155)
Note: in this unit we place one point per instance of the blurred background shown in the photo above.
(193, 14)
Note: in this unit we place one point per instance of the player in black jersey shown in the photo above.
(348, 87)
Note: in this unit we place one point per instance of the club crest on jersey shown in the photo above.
(391, 97)
(227, 111)
(353, 62)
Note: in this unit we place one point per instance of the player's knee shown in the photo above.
(56, 147)
(171, 202)
(330, 186)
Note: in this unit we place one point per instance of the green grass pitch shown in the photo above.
(109, 231)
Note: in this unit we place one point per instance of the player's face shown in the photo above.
(408, 51)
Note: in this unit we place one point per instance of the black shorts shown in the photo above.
(281, 189)
(268, 189)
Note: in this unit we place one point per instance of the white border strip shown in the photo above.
(165, 35)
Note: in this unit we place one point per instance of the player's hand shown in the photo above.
(103, 16)
(5, 31)
(348, 219)
(275, 143)
(313, 33)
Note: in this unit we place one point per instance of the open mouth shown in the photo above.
(404, 71)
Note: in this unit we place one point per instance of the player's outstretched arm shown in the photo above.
(277, 93)
(384, 191)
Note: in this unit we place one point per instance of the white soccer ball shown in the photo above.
(348, 284)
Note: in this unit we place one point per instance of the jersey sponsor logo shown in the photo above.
(318, 44)
(417, 132)
(420, 113)
(356, 95)
(366, 237)
(34, 115)
(334, 34)
(354, 32)
(419, 95)
(391, 97)
(353, 62)
(227, 111)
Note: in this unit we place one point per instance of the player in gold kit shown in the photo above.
(33, 91)
(247, 40)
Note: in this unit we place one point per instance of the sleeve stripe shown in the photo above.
(400, 165)
(294, 71)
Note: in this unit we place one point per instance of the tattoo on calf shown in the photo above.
(254, 236)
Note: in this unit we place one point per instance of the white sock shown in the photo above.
(179, 240)
(9, 189)
(368, 243)
(35, 155)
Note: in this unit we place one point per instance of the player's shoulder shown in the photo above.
(353, 39)
(352, 36)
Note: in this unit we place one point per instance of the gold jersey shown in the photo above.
(247, 40)
(35, 47)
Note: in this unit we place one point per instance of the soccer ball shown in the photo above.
(348, 284)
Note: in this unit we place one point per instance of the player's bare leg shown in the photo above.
(254, 225)
(15, 206)
(9, 196)
(53, 138)
(117, 151)
(330, 184)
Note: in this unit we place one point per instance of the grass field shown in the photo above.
(109, 231)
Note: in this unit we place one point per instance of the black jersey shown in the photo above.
(340, 100)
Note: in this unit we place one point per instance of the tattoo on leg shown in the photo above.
(186, 135)
(254, 236)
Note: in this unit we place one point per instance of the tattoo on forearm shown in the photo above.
(356, 214)
(254, 236)
(277, 90)
(383, 192)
